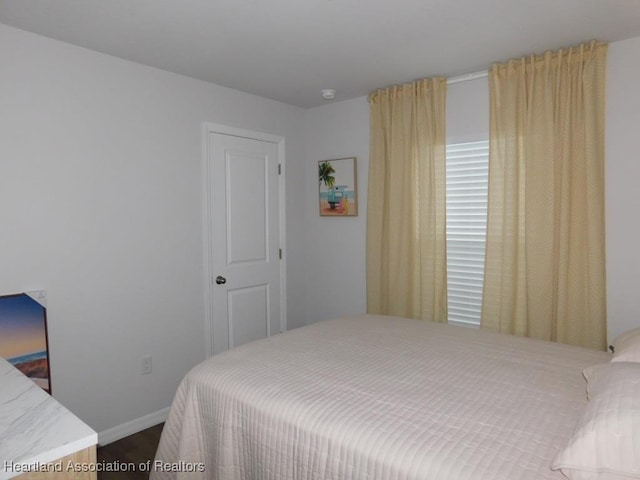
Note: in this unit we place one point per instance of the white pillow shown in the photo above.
(627, 347)
(606, 441)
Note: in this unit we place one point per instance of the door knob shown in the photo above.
(220, 280)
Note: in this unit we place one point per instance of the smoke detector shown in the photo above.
(328, 93)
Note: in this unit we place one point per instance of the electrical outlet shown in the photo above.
(145, 365)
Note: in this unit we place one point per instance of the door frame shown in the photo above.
(208, 128)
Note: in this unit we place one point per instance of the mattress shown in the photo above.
(373, 397)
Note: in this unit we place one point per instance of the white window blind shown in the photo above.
(467, 187)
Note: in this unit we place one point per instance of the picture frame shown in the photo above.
(23, 335)
(338, 187)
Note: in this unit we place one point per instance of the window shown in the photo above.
(467, 187)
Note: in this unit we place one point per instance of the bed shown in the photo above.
(374, 397)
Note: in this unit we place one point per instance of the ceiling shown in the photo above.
(289, 50)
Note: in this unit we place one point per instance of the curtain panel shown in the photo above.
(406, 226)
(545, 258)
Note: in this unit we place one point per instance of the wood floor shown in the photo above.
(136, 449)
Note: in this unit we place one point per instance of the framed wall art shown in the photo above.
(23, 335)
(338, 187)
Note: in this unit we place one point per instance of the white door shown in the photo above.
(244, 239)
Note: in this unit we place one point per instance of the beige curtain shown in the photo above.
(545, 263)
(406, 237)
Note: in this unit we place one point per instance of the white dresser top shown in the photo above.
(34, 427)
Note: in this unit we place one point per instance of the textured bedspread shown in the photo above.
(373, 397)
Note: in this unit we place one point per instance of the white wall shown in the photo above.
(334, 260)
(623, 186)
(100, 201)
(468, 111)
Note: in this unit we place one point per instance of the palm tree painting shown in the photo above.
(338, 187)
(325, 174)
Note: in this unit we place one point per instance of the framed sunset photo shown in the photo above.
(338, 187)
(23, 337)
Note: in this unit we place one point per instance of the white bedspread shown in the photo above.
(373, 397)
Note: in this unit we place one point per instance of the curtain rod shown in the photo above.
(467, 77)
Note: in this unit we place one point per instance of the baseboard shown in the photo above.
(134, 426)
